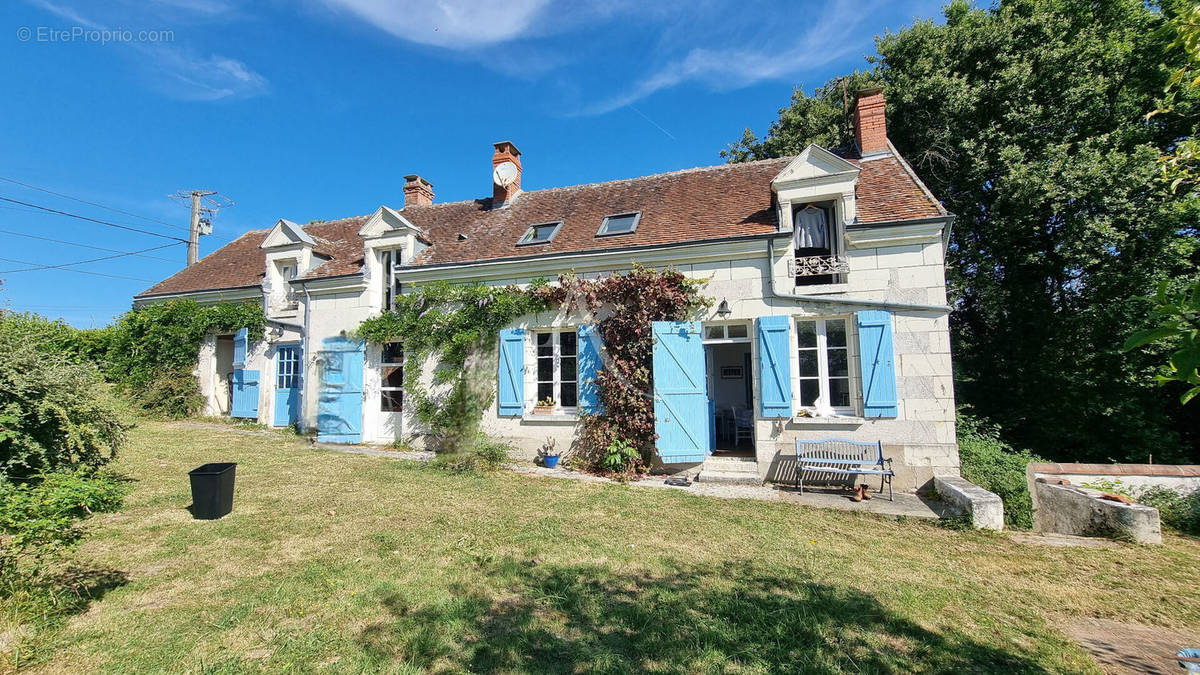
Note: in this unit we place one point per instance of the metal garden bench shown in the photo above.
(844, 458)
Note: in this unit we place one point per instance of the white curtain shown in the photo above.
(811, 228)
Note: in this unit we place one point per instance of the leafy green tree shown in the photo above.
(1029, 120)
(1179, 324)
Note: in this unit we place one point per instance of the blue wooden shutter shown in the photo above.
(681, 409)
(245, 394)
(510, 379)
(240, 342)
(878, 364)
(590, 365)
(774, 366)
(340, 396)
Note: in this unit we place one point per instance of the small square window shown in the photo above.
(541, 233)
(621, 223)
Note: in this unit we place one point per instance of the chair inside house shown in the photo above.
(743, 424)
(730, 395)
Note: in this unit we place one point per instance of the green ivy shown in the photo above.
(152, 350)
(456, 326)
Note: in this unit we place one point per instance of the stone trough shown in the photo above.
(1077, 510)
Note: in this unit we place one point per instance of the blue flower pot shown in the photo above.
(550, 461)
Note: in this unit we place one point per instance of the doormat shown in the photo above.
(678, 481)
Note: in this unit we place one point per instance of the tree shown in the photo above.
(1029, 120)
(1179, 324)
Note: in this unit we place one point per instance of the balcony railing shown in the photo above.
(820, 265)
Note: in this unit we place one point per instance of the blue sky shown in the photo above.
(316, 109)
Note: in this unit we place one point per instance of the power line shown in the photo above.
(94, 220)
(83, 262)
(75, 243)
(79, 270)
(84, 201)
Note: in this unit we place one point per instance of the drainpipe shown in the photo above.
(884, 304)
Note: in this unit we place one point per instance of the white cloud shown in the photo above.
(454, 24)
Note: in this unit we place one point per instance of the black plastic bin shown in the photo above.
(212, 490)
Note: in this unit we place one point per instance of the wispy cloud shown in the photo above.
(454, 24)
(176, 70)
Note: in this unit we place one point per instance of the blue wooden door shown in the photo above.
(289, 376)
(339, 401)
(681, 407)
(245, 394)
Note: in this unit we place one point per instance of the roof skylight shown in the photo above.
(540, 233)
(620, 223)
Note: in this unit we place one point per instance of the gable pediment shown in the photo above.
(286, 233)
(386, 221)
(815, 164)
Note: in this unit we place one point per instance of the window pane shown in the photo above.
(838, 364)
(393, 352)
(714, 332)
(738, 330)
(806, 333)
(391, 401)
(622, 223)
(839, 392)
(569, 398)
(567, 340)
(809, 391)
(545, 369)
(835, 332)
(545, 391)
(566, 369)
(545, 344)
(393, 376)
(808, 363)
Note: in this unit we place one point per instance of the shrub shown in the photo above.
(39, 517)
(992, 464)
(484, 454)
(621, 457)
(54, 412)
(1176, 511)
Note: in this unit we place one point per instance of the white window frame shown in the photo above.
(389, 258)
(823, 378)
(383, 365)
(556, 370)
(725, 338)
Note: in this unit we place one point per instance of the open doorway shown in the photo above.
(223, 382)
(730, 388)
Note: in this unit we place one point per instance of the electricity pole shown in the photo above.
(205, 204)
(193, 252)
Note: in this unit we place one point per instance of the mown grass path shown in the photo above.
(346, 563)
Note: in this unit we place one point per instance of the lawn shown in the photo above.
(341, 562)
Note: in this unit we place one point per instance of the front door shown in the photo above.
(339, 403)
(288, 379)
(681, 408)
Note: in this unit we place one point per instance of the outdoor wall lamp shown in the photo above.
(723, 309)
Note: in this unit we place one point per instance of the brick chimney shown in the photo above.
(417, 191)
(505, 152)
(870, 127)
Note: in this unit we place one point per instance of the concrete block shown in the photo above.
(985, 508)
(1071, 509)
(932, 254)
(911, 255)
(924, 276)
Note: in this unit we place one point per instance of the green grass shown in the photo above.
(350, 563)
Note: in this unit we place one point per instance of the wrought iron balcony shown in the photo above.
(819, 265)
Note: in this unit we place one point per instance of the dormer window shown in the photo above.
(621, 223)
(818, 259)
(388, 259)
(542, 233)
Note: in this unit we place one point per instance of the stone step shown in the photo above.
(732, 464)
(728, 477)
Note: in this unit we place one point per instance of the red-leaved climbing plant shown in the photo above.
(623, 306)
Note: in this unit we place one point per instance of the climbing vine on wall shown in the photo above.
(456, 326)
(623, 306)
(152, 350)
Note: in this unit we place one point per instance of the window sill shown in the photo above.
(550, 419)
(829, 421)
(821, 289)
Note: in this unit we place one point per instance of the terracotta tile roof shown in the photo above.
(241, 263)
(700, 204)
